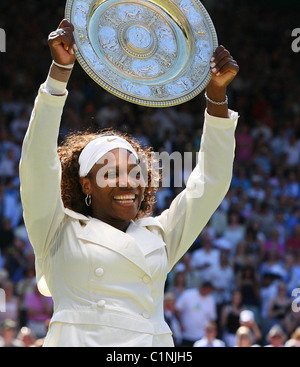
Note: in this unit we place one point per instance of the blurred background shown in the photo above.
(252, 243)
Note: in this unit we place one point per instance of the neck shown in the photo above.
(119, 224)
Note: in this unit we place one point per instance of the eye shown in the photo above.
(110, 175)
(135, 173)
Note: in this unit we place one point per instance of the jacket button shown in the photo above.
(146, 279)
(101, 303)
(146, 315)
(99, 272)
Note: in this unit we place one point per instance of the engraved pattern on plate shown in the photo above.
(167, 40)
(139, 37)
(145, 68)
(93, 59)
(189, 8)
(108, 39)
(203, 52)
(182, 85)
(130, 11)
(81, 14)
(136, 89)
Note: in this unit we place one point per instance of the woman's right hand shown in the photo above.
(62, 44)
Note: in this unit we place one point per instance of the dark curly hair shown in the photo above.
(71, 190)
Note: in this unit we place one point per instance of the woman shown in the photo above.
(230, 318)
(99, 255)
(279, 306)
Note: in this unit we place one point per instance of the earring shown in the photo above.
(88, 200)
(143, 198)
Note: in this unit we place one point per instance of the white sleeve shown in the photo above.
(40, 172)
(206, 187)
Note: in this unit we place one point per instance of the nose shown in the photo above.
(126, 180)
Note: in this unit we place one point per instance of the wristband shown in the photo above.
(69, 67)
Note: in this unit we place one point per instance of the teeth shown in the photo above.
(125, 197)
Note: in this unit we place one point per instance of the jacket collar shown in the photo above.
(75, 215)
(134, 244)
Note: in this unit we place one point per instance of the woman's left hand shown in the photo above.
(223, 68)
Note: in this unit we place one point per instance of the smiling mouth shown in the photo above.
(125, 199)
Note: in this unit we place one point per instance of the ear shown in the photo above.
(86, 185)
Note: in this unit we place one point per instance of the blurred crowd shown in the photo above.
(239, 285)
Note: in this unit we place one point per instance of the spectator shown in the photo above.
(249, 285)
(244, 146)
(279, 306)
(24, 287)
(240, 259)
(8, 331)
(291, 321)
(40, 342)
(222, 279)
(230, 319)
(26, 336)
(254, 240)
(192, 277)
(171, 318)
(292, 152)
(235, 232)
(205, 257)
(178, 281)
(274, 243)
(39, 309)
(210, 339)
(294, 275)
(293, 242)
(194, 308)
(276, 337)
(7, 165)
(247, 318)
(15, 259)
(12, 306)
(296, 335)
(19, 126)
(292, 343)
(272, 264)
(6, 236)
(244, 338)
(268, 291)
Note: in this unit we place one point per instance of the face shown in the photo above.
(244, 341)
(116, 187)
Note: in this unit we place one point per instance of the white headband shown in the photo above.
(96, 149)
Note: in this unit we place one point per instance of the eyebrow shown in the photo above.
(133, 165)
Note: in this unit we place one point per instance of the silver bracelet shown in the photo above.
(216, 103)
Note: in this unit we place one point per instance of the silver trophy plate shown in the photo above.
(148, 52)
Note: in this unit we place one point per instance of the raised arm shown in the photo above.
(40, 169)
(211, 178)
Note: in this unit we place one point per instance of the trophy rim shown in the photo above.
(132, 97)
